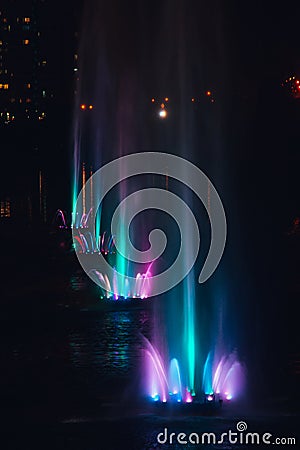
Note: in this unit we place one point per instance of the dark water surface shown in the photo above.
(69, 380)
(70, 375)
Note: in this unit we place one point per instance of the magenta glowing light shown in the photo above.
(159, 386)
(188, 397)
(227, 378)
(60, 219)
(89, 244)
(155, 374)
(139, 288)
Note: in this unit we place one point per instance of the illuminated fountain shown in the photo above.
(115, 287)
(82, 220)
(86, 242)
(162, 385)
(60, 220)
(108, 130)
(141, 288)
(178, 369)
(90, 244)
(223, 379)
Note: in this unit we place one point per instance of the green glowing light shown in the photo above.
(98, 228)
(121, 262)
(207, 375)
(189, 331)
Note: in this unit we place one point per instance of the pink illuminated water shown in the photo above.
(165, 385)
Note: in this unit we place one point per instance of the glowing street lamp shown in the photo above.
(163, 113)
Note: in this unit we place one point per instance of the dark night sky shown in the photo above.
(242, 50)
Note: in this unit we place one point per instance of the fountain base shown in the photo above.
(186, 409)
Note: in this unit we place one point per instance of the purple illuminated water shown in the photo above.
(225, 380)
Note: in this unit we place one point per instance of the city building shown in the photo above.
(38, 48)
(23, 63)
(292, 85)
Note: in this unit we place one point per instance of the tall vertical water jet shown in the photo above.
(175, 383)
(108, 130)
(189, 331)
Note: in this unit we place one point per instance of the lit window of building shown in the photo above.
(25, 41)
(5, 211)
(292, 85)
(26, 19)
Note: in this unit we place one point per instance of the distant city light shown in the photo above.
(208, 93)
(193, 99)
(163, 113)
(293, 86)
(166, 99)
(153, 100)
(83, 107)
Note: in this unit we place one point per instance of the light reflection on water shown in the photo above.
(86, 355)
(111, 344)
